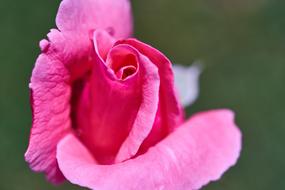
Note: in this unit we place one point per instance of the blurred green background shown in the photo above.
(241, 43)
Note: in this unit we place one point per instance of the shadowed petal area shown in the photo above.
(198, 152)
(86, 15)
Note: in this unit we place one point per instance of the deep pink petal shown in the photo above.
(198, 152)
(115, 113)
(170, 114)
(64, 58)
(146, 115)
(86, 15)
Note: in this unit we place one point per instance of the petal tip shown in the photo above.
(44, 45)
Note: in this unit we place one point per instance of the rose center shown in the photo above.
(124, 64)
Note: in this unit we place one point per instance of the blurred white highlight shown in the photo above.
(186, 80)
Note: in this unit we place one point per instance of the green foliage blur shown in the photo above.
(241, 43)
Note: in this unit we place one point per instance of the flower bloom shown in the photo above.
(105, 111)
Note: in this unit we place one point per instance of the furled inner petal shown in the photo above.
(198, 152)
(104, 42)
(122, 63)
(118, 102)
(170, 113)
(126, 71)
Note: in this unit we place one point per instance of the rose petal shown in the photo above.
(170, 114)
(86, 15)
(145, 117)
(104, 42)
(50, 103)
(50, 88)
(112, 110)
(198, 152)
(187, 82)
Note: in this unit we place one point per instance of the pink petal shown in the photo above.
(86, 15)
(170, 114)
(112, 110)
(50, 95)
(104, 43)
(198, 152)
(50, 88)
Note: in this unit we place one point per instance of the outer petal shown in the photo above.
(86, 15)
(63, 58)
(196, 153)
(187, 82)
(50, 103)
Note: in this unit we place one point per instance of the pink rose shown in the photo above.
(105, 112)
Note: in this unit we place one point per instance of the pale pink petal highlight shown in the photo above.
(85, 15)
(104, 42)
(196, 153)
